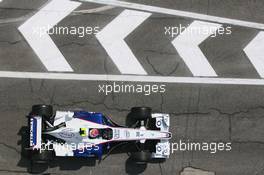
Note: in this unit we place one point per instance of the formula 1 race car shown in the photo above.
(90, 134)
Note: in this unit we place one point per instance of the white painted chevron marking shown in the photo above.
(255, 53)
(41, 43)
(187, 45)
(112, 39)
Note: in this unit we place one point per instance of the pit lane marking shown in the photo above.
(130, 78)
(180, 13)
(112, 38)
(187, 44)
(254, 51)
(42, 44)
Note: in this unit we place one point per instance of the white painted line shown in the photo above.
(187, 45)
(186, 14)
(255, 53)
(112, 39)
(35, 32)
(87, 11)
(95, 10)
(130, 78)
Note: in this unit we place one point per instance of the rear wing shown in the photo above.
(35, 127)
(162, 147)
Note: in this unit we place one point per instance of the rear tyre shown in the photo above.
(141, 113)
(43, 110)
(141, 157)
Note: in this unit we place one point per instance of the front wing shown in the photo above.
(162, 147)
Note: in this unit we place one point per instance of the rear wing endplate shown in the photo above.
(35, 132)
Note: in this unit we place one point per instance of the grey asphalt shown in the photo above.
(202, 113)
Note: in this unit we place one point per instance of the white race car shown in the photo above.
(90, 134)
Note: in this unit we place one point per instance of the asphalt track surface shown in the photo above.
(199, 112)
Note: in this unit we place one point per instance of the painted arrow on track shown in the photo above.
(187, 45)
(35, 32)
(112, 39)
(254, 51)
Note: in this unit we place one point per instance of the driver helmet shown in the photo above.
(94, 133)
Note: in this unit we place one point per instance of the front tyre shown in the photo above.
(141, 113)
